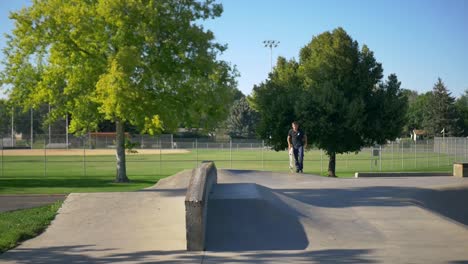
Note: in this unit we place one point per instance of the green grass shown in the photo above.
(65, 174)
(17, 226)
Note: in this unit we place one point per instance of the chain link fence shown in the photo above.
(94, 154)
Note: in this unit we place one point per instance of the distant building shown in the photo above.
(418, 134)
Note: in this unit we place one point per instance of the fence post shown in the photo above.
(2, 156)
(380, 157)
(84, 155)
(427, 151)
(402, 155)
(438, 153)
(196, 148)
(263, 163)
(415, 156)
(321, 162)
(230, 152)
(160, 155)
(393, 162)
(45, 157)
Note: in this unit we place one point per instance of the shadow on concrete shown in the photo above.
(249, 217)
(448, 202)
(80, 254)
(167, 192)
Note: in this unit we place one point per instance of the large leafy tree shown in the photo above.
(336, 93)
(5, 117)
(242, 120)
(462, 108)
(442, 113)
(147, 63)
(275, 101)
(417, 108)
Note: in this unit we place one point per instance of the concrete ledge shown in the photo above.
(196, 204)
(460, 169)
(400, 174)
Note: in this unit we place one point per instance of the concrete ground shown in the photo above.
(264, 217)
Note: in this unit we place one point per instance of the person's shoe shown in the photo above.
(297, 171)
(300, 171)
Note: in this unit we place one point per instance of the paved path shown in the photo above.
(262, 217)
(16, 202)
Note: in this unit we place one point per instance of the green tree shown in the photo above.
(441, 114)
(416, 112)
(461, 105)
(148, 63)
(242, 120)
(5, 118)
(336, 94)
(274, 100)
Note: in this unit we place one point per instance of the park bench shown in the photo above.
(460, 169)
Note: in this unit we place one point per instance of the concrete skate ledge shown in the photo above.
(196, 204)
(400, 174)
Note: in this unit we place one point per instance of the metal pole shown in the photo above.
(402, 155)
(45, 157)
(465, 149)
(196, 147)
(32, 128)
(271, 44)
(380, 157)
(230, 151)
(427, 151)
(2, 157)
(66, 129)
(84, 156)
(160, 155)
(415, 158)
(263, 160)
(12, 125)
(438, 153)
(393, 162)
(49, 127)
(321, 162)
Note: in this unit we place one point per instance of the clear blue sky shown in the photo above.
(419, 40)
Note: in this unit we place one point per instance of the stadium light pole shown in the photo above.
(271, 44)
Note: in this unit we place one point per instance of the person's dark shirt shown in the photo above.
(297, 138)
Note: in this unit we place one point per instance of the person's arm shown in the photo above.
(289, 142)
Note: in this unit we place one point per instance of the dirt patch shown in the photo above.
(87, 152)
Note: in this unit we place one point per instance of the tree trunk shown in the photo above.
(120, 155)
(332, 165)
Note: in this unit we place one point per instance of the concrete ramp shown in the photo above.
(125, 227)
(246, 216)
(264, 217)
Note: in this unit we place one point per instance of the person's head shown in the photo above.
(295, 125)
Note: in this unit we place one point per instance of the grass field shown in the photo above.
(17, 226)
(65, 174)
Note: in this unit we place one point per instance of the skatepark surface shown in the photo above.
(264, 217)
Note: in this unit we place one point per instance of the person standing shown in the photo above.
(297, 140)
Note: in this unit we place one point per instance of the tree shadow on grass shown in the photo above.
(75, 184)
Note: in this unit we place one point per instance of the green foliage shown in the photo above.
(5, 117)
(147, 63)
(441, 113)
(275, 101)
(242, 120)
(416, 112)
(461, 105)
(336, 94)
